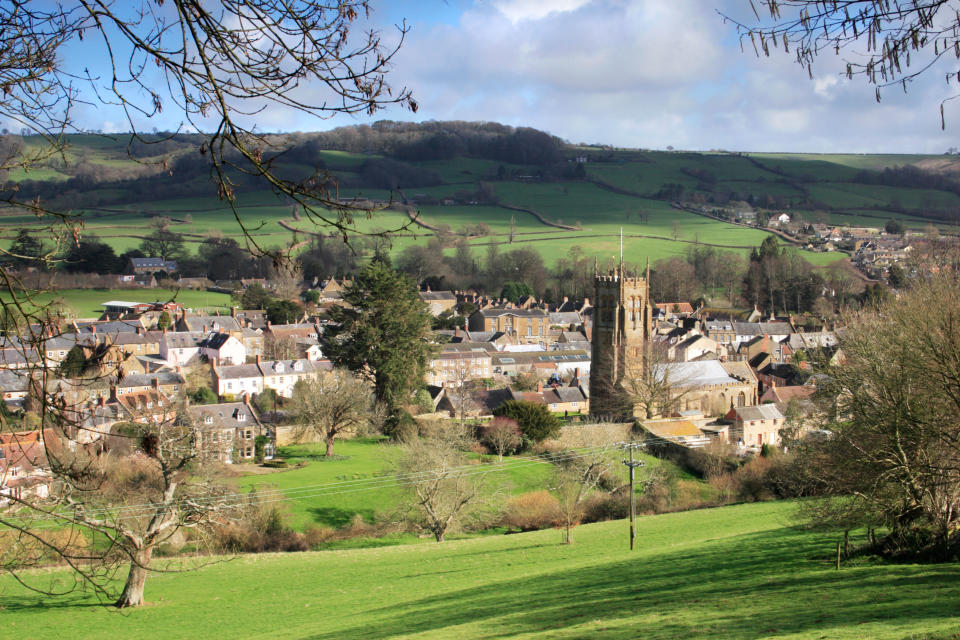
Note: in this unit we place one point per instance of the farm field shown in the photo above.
(737, 572)
(620, 189)
(88, 303)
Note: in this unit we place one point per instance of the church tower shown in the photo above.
(622, 323)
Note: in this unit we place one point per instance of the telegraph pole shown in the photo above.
(630, 446)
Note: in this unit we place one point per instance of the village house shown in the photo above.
(754, 427)
(527, 325)
(438, 301)
(169, 383)
(283, 375)
(227, 432)
(180, 347)
(145, 406)
(451, 368)
(151, 265)
(23, 466)
(544, 364)
(223, 348)
(238, 380)
(205, 324)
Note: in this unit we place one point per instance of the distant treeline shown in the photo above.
(436, 141)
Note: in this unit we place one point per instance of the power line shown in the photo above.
(330, 488)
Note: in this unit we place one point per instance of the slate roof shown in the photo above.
(694, 374)
(565, 318)
(762, 412)
(225, 415)
(496, 312)
(762, 328)
(214, 340)
(154, 263)
(429, 296)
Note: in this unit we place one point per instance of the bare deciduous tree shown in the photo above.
(574, 479)
(118, 497)
(892, 408)
(330, 405)
(444, 489)
(886, 44)
(503, 435)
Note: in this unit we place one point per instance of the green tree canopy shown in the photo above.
(535, 420)
(255, 297)
(284, 311)
(385, 334)
(164, 244)
(513, 291)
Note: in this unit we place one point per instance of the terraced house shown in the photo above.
(527, 325)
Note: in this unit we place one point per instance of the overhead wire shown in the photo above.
(329, 488)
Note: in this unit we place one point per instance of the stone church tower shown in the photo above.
(622, 323)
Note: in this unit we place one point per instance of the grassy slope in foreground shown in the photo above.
(733, 572)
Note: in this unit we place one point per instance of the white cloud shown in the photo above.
(519, 10)
(645, 74)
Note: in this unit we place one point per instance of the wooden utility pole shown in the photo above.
(632, 464)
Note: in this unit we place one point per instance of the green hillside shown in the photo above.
(526, 204)
(732, 572)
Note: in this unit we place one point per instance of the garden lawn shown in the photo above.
(734, 572)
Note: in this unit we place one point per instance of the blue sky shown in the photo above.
(620, 72)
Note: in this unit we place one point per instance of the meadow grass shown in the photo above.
(88, 303)
(736, 572)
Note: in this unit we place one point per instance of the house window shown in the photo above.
(281, 379)
(208, 419)
(14, 472)
(229, 385)
(241, 417)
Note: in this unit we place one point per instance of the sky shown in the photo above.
(634, 74)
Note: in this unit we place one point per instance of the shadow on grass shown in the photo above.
(776, 582)
(19, 603)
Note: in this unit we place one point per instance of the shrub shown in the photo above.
(535, 420)
(531, 511)
(606, 506)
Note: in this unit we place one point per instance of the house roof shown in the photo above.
(215, 340)
(762, 412)
(672, 429)
(183, 339)
(226, 415)
(436, 296)
(212, 323)
(496, 312)
(153, 263)
(233, 372)
(783, 395)
(694, 374)
(565, 317)
(762, 328)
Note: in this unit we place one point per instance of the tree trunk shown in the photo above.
(329, 446)
(132, 595)
(438, 535)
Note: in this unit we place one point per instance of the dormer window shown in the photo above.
(279, 367)
(241, 417)
(298, 366)
(208, 419)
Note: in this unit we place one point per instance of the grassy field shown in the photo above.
(88, 303)
(736, 572)
(591, 205)
(366, 460)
